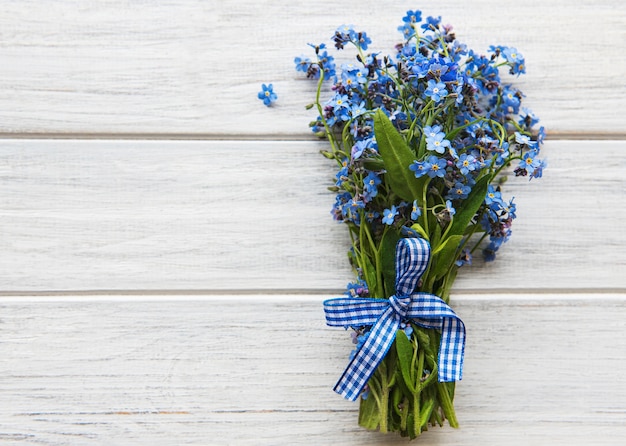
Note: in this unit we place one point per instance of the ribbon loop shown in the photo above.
(412, 257)
(385, 315)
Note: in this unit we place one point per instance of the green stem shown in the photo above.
(417, 419)
(320, 110)
(479, 242)
(425, 204)
(446, 404)
(384, 397)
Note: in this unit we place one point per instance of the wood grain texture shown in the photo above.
(234, 215)
(206, 246)
(250, 370)
(194, 67)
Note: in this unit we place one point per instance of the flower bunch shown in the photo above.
(423, 139)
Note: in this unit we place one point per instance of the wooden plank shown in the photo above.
(234, 215)
(194, 68)
(248, 370)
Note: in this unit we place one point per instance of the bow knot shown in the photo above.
(385, 315)
(400, 305)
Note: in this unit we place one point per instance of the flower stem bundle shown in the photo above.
(422, 139)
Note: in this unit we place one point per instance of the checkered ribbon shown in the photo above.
(385, 315)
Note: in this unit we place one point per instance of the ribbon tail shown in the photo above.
(451, 349)
(372, 352)
(430, 311)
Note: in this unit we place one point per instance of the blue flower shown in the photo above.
(529, 161)
(466, 163)
(438, 143)
(354, 78)
(527, 117)
(354, 205)
(459, 191)
(340, 200)
(432, 23)
(361, 146)
(464, 259)
(357, 110)
(493, 199)
(512, 55)
(432, 131)
(408, 329)
(356, 289)
(515, 60)
(407, 30)
(302, 64)
(370, 216)
(420, 168)
(449, 208)
(437, 167)
(389, 215)
(522, 139)
(511, 99)
(409, 232)
(415, 211)
(437, 70)
(358, 339)
(541, 135)
(458, 91)
(344, 34)
(362, 40)
(538, 172)
(358, 148)
(436, 90)
(341, 106)
(326, 62)
(489, 253)
(412, 16)
(267, 94)
(370, 185)
(518, 68)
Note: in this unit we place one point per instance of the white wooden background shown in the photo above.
(166, 240)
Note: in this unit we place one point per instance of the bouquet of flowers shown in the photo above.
(422, 139)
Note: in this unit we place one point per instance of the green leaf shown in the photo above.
(471, 229)
(428, 404)
(405, 359)
(397, 156)
(374, 164)
(444, 255)
(417, 227)
(469, 207)
(369, 415)
(446, 394)
(388, 260)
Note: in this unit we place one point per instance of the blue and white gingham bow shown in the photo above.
(385, 315)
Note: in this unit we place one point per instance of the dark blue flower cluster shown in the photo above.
(449, 103)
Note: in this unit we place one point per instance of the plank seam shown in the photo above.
(297, 292)
(551, 136)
